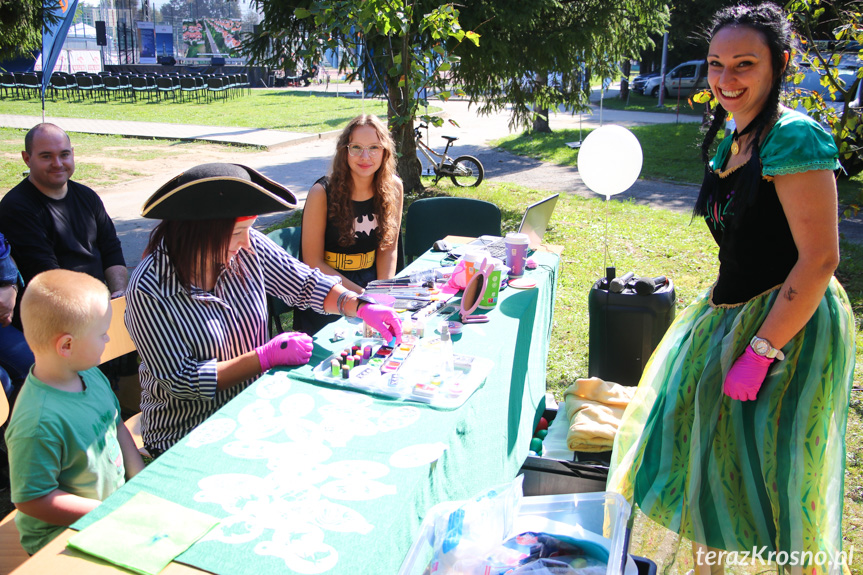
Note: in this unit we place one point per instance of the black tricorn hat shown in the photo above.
(218, 191)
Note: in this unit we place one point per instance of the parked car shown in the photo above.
(811, 83)
(681, 81)
(640, 81)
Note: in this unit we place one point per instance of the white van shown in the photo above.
(681, 81)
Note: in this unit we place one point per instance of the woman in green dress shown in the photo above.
(736, 436)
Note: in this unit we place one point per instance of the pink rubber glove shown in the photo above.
(383, 319)
(292, 348)
(745, 377)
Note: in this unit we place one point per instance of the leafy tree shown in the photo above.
(542, 54)
(687, 33)
(398, 45)
(831, 35)
(21, 26)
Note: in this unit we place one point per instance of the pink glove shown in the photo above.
(745, 377)
(292, 348)
(383, 319)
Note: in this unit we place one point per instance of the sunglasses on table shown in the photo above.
(357, 150)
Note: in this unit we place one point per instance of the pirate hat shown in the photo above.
(218, 191)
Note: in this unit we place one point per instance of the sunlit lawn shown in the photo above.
(100, 161)
(672, 153)
(296, 111)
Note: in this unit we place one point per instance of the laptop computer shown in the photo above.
(534, 222)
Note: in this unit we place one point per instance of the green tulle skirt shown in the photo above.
(741, 475)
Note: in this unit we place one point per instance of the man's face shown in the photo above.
(51, 161)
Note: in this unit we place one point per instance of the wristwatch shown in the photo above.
(763, 348)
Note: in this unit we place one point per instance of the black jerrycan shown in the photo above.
(628, 317)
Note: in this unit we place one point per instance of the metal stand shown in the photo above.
(576, 145)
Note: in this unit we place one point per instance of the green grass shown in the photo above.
(671, 151)
(639, 103)
(288, 110)
(100, 160)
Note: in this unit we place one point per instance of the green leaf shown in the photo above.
(301, 13)
(473, 37)
(444, 67)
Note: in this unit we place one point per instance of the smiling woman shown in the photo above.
(352, 216)
(709, 446)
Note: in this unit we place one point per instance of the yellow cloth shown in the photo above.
(594, 409)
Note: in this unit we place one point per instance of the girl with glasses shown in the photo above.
(352, 217)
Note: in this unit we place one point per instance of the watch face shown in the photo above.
(761, 347)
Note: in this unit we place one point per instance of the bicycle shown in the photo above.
(464, 171)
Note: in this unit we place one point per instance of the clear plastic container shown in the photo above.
(603, 515)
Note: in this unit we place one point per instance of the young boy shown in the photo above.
(68, 447)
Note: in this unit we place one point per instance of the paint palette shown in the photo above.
(410, 371)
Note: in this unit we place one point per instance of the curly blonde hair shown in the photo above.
(339, 206)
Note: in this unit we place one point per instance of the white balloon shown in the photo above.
(610, 160)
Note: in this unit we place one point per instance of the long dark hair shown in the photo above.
(193, 246)
(770, 21)
(339, 206)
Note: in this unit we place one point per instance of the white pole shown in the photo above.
(662, 69)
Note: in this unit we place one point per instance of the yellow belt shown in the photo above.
(350, 262)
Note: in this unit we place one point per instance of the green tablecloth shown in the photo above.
(309, 478)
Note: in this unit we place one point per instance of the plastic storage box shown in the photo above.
(603, 515)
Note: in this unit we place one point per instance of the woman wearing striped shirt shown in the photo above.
(196, 305)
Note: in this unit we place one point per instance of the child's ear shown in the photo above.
(63, 345)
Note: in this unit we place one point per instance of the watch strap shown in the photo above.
(770, 353)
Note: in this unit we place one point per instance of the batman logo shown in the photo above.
(365, 224)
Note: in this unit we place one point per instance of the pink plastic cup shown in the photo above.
(516, 253)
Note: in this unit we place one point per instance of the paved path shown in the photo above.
(298, 166)
(268, 139)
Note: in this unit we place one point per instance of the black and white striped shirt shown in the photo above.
(181, 335)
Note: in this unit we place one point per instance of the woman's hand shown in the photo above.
(383, 319)
(292, 348)
(745, 377)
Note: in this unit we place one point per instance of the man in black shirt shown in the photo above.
(52, 222)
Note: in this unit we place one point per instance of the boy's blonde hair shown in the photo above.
(58, 302)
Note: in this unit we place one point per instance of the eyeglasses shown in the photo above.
(357, 150)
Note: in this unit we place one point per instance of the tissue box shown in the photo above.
(603, 515)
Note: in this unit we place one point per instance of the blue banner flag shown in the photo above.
(54, 34)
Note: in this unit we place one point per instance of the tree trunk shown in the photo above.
(408, 165)
(540, 115)
(624, 81)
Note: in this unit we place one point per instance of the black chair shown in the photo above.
(189, 88)
(98, 85)
(28, 84)
(71, 81)
(216, 86)
(7, 83)
(86, 88)
(113, 87)
(165, 87)
(289, 240)
(140, 86)
(432, 219)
